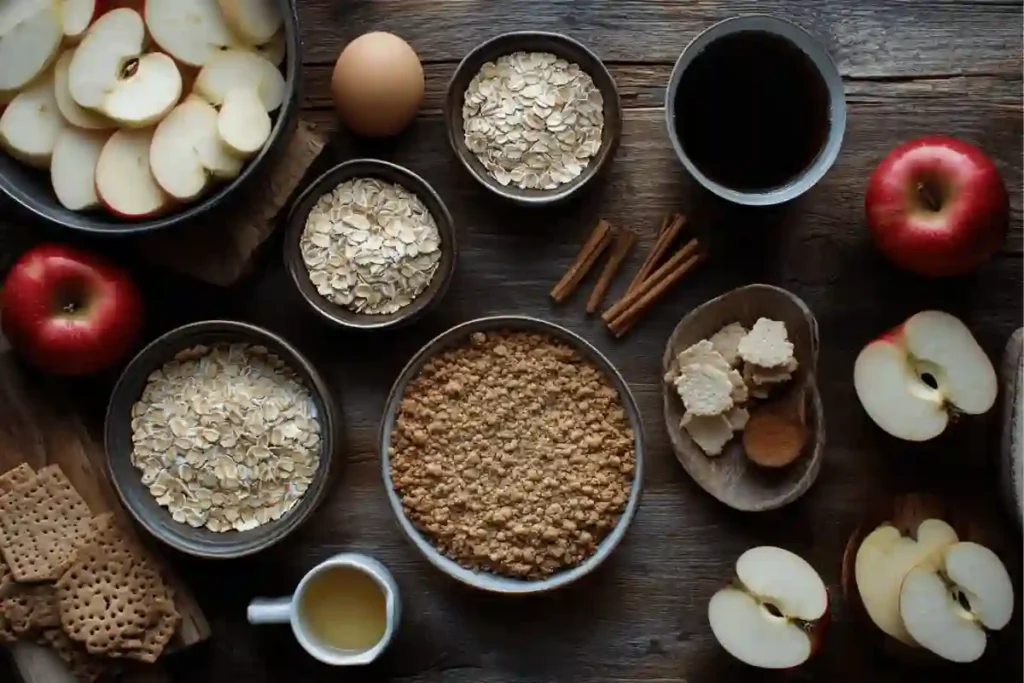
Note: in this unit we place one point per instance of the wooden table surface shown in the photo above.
(910, 67)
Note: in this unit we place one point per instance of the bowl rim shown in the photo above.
(105, 225)
(493, 582)
(827, 69)
(151, 357)
(387, 171)
(453, 116)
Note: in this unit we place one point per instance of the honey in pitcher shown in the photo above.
(345, 609)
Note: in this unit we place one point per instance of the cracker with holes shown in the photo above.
(766, 345)
(83, 666)
(19, 475)
(30, 609)
(41, 523)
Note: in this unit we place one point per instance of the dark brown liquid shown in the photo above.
(752, 111)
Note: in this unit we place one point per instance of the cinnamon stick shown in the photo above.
(666, 237)
(623, 243)
(599, 239)
(624, 323)
(632, 297)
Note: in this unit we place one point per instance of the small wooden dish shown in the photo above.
(731, 477)
(533, 41)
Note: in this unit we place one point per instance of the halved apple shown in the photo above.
(773, 616)
(191, 31)
(124, 181)
(912, 378)
(187, 154)
(110, 72)
(950, 603)
(73, 167)
(31, 123)
(75, 114)
(30, 37)
(240, 68)
(243, 124)
(255, 21)
(77, 16)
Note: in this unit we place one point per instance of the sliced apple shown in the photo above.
(73, 167)
(31, 123)
(29, 43)
(187, 153)
(243, 124)
(111, 74)
(13, 12)
(75, 114)
(239, 68)
(948, 605)
(124, 181)
(774, 615)
(77, 16)
(273, 50)
(911, 379)
(255, 21)
(884, 558)
(191, 31)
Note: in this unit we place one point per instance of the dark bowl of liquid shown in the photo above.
(756, 110)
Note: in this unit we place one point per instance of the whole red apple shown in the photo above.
(937, 206)
(69, 312)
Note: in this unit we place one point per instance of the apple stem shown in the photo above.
(929, 197)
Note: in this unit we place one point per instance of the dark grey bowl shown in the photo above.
(31, 189)
(127, 480)
(392, 173)
(493, 582)
(533, 41)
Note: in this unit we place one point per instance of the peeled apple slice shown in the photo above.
(243, 124)
(29, 41)
(31, 123)
(237, 68)
(73, 167)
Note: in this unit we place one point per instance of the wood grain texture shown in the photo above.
(910, 67)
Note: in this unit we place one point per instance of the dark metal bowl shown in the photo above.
(127, 480)
(483, 580)
(31, 189)
(392, 173)
(533, 41)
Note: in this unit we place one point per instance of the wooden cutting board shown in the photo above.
(39, 428)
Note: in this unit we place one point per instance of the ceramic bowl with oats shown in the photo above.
(533, 116)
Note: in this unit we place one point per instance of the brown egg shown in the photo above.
(377, 84)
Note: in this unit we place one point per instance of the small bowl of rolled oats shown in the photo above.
(220, 438)
(370, 245)
(512, 454)
(533, 116)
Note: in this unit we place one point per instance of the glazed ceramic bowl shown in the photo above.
(392, 173)
(127, 479)
(32, 191)
(457, 336)
(533, 41)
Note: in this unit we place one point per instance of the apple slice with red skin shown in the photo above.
(190, 31)
(73, 167)
(31, 123)
(73, 113)
(243, 124)
(69, 312)
(124, 180)
(239, 68)
(937, 206)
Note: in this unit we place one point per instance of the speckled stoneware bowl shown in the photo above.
(731, 477)
(482, 580)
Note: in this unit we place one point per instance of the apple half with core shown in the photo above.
(69, 312)
(915, 377)
(937, 206)
(112, 74)
(949, 604)
(774, 614)
(242, 123)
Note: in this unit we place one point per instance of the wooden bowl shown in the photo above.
(483, 580)
(388, 172)
(731, 477)
(533, 41)
(127, 480)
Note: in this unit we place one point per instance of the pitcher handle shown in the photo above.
(269, 611)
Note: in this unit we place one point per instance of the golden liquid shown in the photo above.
(345, 609)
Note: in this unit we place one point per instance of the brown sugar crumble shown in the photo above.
(513, 454)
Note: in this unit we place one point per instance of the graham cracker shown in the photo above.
(82, 665)
(30, 608)
(6, 577)
(41, 522)
(22, 474)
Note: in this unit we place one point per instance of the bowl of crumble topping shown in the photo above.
(512, 454)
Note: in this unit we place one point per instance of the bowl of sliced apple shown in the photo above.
(129, 116)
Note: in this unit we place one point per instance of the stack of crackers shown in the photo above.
(76, 582)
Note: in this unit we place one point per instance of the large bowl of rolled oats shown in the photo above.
(512, 454)
(370, 245)
(220, 438)
(533, 116)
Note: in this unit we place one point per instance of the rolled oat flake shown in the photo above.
(370, 246)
